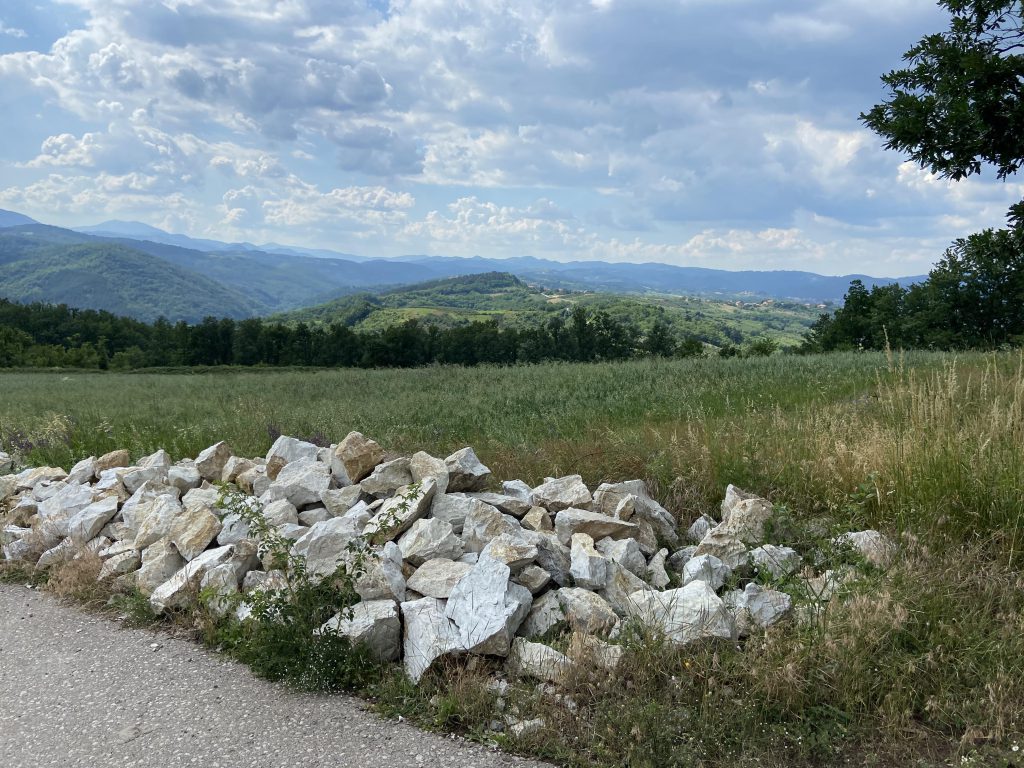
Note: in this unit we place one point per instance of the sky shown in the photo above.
(711, 133)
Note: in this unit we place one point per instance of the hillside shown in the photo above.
(111, 277)
(512, 302)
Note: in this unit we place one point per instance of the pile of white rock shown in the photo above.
(456, 565)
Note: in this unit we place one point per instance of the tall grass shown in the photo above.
(925, 662)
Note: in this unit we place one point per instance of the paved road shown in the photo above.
(78, 690)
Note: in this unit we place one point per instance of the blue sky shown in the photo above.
(718, 133)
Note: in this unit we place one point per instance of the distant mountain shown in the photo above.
(12, 219)
(39, 263)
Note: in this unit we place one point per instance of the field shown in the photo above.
(926, 664)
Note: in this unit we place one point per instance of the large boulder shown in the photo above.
(536, 660)
(422, 466)
(87, 523)
(485, 523)
(510, 505)
(289, 449)
(155, 518)
(374, 625)
(572, 521)
(455, 508)
(757, 607)
(586, 611)
(338, 501)
(684, 615)
(625, 552)
(488, 608)
(300, 483)
(558, 493)
(706, 568)
(428, 539)
(193, 530)
(589, 569)
(631, 500)
(387, 478)
(620, 584)
(428, 635)
(777, 562)
(159, 563)
(183, 586)
(512, 550)
(359, 455)
(437, 578)
(325, 545)
(210, 463)
(545, 614)
(397, 514)
(83, 472)
(466, 472)
(112, 460)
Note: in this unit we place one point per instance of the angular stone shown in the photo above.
(534, 578)
(657, 576)
(120, 564)
(64, 504)
(300, 482)
(466, 472)
(745, 521)
(359, 455)
(877, 548)
(87, 523)
(210, 463)
(756, 606)
(700, 528)
(325, 546)
(184, 477)
(313, 515)
(159, 459)
(630, 500)
(538, 519)
(193, 530)
(382, 576)
(778, 562)
(594, 524)
(684, 615)
(112, 460)
(219, 587)
(518, 490)
(429, 539)
(253, 481)
(159, 563)
(183, 586)
(455, 508)
(281, 512)
(536, 660)
(61, 553)
(553, 556)
(374, 625)
(233, 467)
(678, 559)
(620, 584)
(340, 500)
(7, 487)
(135, 477)
(560, 493)
(422, 465)
(545, 614)
(625, 552)
(233, 529)
(589, 569)
(155, 518)
(510, 505)
(706, 568)
(586, 611)
(83, 472)
(387, 478)
(437, 578)
(729, 549)
(485, 523)
(30, 478)
(291, 449)
(487, 608)
(428, 635)
(398, 513)
(734, 496)
(512, 550)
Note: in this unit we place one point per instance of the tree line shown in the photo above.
(43, 335)
(972, 299)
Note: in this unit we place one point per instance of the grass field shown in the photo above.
(926, 665)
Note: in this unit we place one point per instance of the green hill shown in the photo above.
(511, 302)
(111, 277)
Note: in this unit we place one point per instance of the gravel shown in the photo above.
(80, 690)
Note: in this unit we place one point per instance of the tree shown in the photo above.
(959, 104)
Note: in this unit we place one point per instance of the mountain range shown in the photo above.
(134, 269)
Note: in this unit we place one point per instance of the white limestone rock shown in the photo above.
(397, 514)
(745, 522)
(678, 559)
(387, 478)
(877, 548)
(300, 483)
(184, 477)
(778, 562)
(706, 568)
(193, 530)
(571, 521)
(120, 564)
(632, 501)
(757, 607)
(538, 519)
(586, 611)
(589, 569)
(657, 575)
(587, 650)
(485, 523)
(429, 539)
(29, 478)
(159, 563)
(374, 624)
(553, 556)
(512, 550)
(734, 496)
(534, 578)
(488, 608)
(112, 460)
(83, 472)
(509, 505)
(625, 552)
(280, 512)
(536, 660)
(183, 586)
(422, 466)
(700, 528)
(620, 584)
(338, 501)
(289, 449)
(438, 577)
(556, 494)
(382, 576)
(233, 529)
(455, 508)
(87, 523)
(61, 553)
(466, 472)
(684, 615)
(313, 515)
(210, 463)
(428, 635)
(220, 588)
(545, 614)
(358, 455)
(325, 545)
(155, 518)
